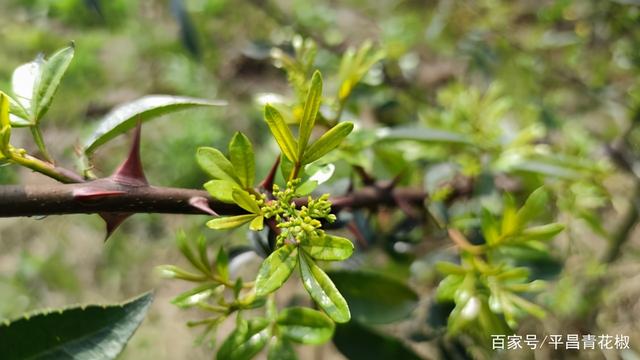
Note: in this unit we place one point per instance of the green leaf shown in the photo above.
(374, 298)
(192, 297)
(222, 264)
(48, 81)
(535, 205)
(327, 142)
(89, 332)
(242, 159)
(257, 223)
(185, 249)
(221, 190)
(424, 135)
(229, 222)
(23, 85)
(542, 232)
(5, 124)
(358, 342)
(304, 325)
(281, 349)
(276, 269)
(214, 163)
(311, 107)
(125, 117)
(18, 115)
(281, 132)
(322, 290)
(330, 248)
(175, 272)
(245, 201)
(245, 341)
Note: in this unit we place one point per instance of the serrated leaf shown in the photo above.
(281, 349)
(229, 222)
(52, 72)
(374, 298)
(245, 201)
(79, 333)
(126, 116)
(245, 341)
(214, 163)
(305, 326)
(242, 159)
(311, 107)
(281, 132)
(221, 190)
(327, 142)
(322, 290)
(329, 248)
(276, 269)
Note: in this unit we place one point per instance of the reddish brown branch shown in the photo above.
(105, 196)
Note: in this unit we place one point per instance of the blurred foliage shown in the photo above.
(478, 103)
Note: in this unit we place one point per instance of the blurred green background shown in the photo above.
(571, 66)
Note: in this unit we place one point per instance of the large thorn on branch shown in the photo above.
(129, 173)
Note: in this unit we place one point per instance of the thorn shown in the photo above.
(267, 183)
(130, 171)
(360, 238)
(202, 203)
(367, 179)
(405, 206)
(113, 220)
(89, 193)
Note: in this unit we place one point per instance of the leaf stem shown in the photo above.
(39, 140)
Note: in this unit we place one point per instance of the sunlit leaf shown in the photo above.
(126, 116)
(5, 124)
(311, 107)
(242, 159)
(304, 325)
(327, 142)
(245, 201)
(192, 297)
(52, 72)
(88, 332)
(214, 163)
(281, 132)
(276, 269)
(328, 247)
(322, 290)
(221, 190)
(257, 224)
(229, 222)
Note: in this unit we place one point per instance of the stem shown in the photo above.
(106, 196)
(39, 139)
(45, 168)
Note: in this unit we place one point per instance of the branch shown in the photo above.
(105, 196)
